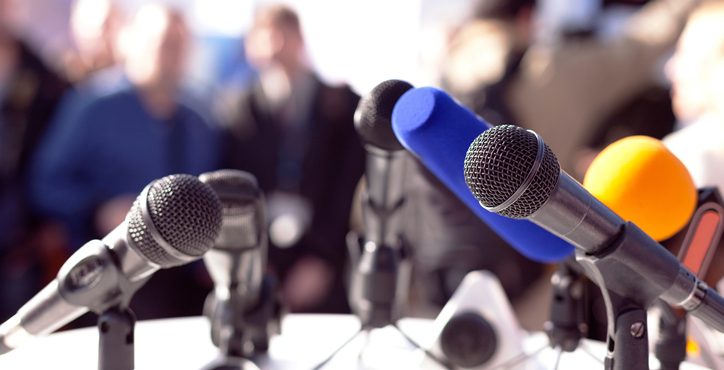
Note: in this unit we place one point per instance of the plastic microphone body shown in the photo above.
(237, 261)
(512, 172)
(436, 129)
(378, 281)
(174, 221)
(385, 163)
(240, 307)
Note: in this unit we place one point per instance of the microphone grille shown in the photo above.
(234, 187)
(242, 208)
(498, 163)
(185, 212)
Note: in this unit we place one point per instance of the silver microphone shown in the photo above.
(512, 172)
(241, 309)
(174, 221)
(379, 282)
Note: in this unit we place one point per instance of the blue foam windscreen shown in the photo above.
(438, 131)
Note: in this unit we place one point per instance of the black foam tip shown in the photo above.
(373, 118)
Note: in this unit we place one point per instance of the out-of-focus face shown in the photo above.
(270, 42)
(158, 50)
(172, 50)
(262, 43)
(697, 68)
(95, 26)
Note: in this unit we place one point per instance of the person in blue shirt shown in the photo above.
(95, 64)
(89, 171)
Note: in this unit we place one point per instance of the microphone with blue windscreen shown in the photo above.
(438, 130)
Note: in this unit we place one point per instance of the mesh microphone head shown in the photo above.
(506, 172)
(241, 205)
(373, 118)
(175, 220)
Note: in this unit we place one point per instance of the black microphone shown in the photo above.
(237, 264)
(374, 289)
(174, 221)
(512, 172)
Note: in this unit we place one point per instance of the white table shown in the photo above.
(306, 340)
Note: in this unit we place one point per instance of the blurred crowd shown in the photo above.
(81, 135)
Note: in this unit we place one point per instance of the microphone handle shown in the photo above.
(711, 309)
(384, 195)
(676, 284)
(94, 279)
(43, 314)
(643, 258)
(638, 268)
(82, 279)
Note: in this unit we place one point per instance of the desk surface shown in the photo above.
(184, 343)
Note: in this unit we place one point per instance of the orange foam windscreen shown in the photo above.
(643, 182)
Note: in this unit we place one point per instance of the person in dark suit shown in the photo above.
(29, 93)
(296, 135)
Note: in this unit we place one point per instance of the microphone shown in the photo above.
(628, 176)
(438, 130)
(512, 172)
(236, 264)
(174, 221)
(376, 286)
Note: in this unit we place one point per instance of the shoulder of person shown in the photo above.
(112, 99)
(337, 101)
(102, 108)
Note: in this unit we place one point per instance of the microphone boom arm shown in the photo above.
(629, 285)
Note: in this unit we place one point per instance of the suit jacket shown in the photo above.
(25, 110)
(330, 161)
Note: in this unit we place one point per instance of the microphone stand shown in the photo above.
(99, 266)
(626, 308)
(670, 348)
(116, 342)
(566, 325)
(241, 332)
(627, 339)
(568, 322)
(386, 271)
(264, 320)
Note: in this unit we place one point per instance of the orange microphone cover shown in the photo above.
(643, 182)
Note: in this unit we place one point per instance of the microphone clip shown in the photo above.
(95, 272)
(240, 331)
(626, 295)
(567, 325)
(379, 282)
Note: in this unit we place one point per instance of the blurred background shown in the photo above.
(353, 53)
(99, 97)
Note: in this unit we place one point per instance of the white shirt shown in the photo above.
(700, 146)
